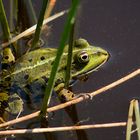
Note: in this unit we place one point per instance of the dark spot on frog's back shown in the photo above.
(7, 78)
(42, 58)
(30, 60)
(26, 77)
(6, 57)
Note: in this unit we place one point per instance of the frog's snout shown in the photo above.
(101, 51)
(108, 55)
(105, 53)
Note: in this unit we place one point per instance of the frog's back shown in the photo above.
(31, 66)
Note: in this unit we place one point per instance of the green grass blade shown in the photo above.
(39, 24)
(137, 115)
(129, 121)
(70, 49)
(4, 23)
(63, 40)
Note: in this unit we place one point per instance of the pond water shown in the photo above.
(115, 26)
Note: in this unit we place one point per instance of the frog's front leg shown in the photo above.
(28, 96)
(63, 94)
(15, 104)
(9, 104)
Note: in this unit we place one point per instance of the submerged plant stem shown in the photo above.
(31, 11)
(13, 13)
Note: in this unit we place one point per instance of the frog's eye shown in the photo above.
(83, 57)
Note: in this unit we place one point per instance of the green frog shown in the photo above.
(37, 65)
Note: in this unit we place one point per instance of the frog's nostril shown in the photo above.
(99, 53)
(105, 53)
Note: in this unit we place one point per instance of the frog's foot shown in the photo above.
(66, 95)
(15, 105)
(2, 120)
(84, 95)
(10, 103)
(19, 113)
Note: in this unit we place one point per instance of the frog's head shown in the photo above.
(87, 58)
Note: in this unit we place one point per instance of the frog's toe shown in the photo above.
(84, 95)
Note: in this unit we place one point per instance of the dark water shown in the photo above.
(115, 26)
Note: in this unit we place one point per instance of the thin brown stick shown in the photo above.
(77, 100)
(68, 128)
(49, 8)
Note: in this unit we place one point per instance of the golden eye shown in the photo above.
(83, 57)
